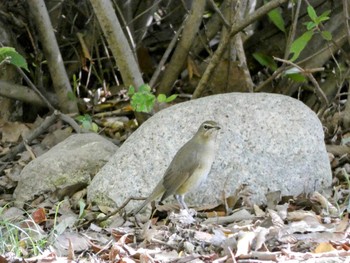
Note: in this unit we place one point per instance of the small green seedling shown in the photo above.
(87, 123)
(143, 100)
(11, 56)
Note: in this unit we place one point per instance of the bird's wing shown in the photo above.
(174, 177)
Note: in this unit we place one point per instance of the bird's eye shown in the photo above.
(207, 127)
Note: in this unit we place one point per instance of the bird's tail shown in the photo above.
(156, 193)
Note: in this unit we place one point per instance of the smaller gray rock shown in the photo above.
(66, 168)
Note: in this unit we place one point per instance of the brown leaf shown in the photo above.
(39, 215)
(299, 215)
(192, 68)
(343, 224)
(70, 255)
(127, 108)
(122, 237)
(116, 253)
(68, 240)
(326, 205)
(11, 131)
(215, 214)
(324, 247)
(84, 47)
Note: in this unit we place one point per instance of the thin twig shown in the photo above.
(218, 11)
(292, 30)
(116, 211)
(36, 133)
(271, 78)
(286, 52)
(165, 57)
(33, 87)
(223, 44)
(309, 75)
(62, 116)
(70, 121)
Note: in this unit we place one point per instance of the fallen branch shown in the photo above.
(36, 133)
(116, 211)
(23, 93)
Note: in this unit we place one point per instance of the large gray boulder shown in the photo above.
(269, 142)
(64, 169)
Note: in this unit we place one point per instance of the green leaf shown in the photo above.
(324, 16)
(312, 13)
(319, 19)
(80, 118)
(276, 17)
(143, 102)
(86, 125)
(13, 57)
(131, 90)
(94, 127)
(310, 25)
(297, 77)
(326, 35)
(144, 88)
(81, 208)
(75, 83)
(161, 98)
(265, 60)
(326, 13)
(171, 98)
(299, 44)
(88, 117)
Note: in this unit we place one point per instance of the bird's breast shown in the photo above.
(194, 180)
(205, 160)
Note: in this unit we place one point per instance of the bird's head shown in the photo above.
(208, 130)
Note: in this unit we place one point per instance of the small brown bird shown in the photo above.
(190, 166)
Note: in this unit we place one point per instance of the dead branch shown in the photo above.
(23, 93)
(165, 57)
(223, 44)
(50, 120)
(181, 52)
(53, 55)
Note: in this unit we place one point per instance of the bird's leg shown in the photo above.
(180, 199)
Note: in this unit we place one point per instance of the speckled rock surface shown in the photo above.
(269, 142)
(64, 169)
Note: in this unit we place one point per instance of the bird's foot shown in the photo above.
(183, 218)
(189, 211)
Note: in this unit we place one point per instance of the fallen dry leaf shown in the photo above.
(12, 131)
(244, 243)
(39, 215)
(324, 247)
